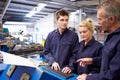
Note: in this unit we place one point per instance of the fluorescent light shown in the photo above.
(40, 6)
(17, 23)
(36, 9)
(30, 13)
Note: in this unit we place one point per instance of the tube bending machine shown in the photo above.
(41, 72)
(13, 72)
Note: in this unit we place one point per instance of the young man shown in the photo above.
(108, 15)
(61, 43)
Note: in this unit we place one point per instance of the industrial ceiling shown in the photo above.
(15, 10)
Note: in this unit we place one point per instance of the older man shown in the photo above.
(108, 15)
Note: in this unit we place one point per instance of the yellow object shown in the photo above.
(43, 42)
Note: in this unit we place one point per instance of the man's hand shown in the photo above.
(85, 61)
(82, 77)
(66, 70)
(55, 66)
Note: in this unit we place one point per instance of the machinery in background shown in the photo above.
(15, 46)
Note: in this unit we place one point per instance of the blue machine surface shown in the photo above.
(16, 75)
(40, 73)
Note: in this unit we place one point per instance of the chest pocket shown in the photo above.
(67, 43)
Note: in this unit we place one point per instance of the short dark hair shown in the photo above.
(61, 12)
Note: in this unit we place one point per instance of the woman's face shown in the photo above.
(85, 33)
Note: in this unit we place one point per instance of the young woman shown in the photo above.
(88, 48)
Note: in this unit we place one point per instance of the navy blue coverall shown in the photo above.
(110, 65)
(59, 48)
(93, 49)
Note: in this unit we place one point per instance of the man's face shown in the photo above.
(62, 22)
(102, 20)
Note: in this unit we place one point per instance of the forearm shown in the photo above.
(96, 61)
(50, 58)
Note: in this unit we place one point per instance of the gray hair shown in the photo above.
(112, 8)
